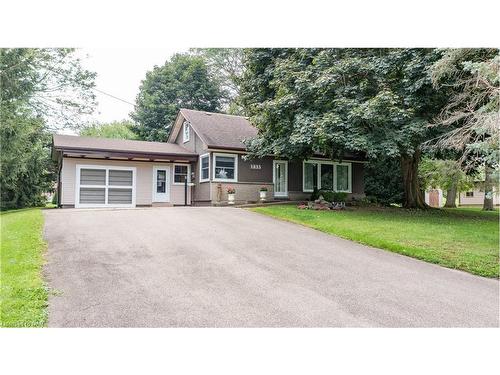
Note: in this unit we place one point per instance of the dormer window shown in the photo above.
(185, 131)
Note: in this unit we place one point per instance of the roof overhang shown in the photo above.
(123, 155)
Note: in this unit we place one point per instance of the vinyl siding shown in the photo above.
(144, 180)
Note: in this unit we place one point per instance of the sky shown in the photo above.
(119, 73)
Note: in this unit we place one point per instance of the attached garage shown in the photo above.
(101, 173)
(105, 186)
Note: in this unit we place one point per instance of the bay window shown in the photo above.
(225, 167)
(327, 175)
(204, 167)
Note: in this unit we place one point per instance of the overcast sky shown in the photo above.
(119, 73)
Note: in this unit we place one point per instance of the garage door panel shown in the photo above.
(92, 195)
(120, 178)
(119, 196)
(93, 176)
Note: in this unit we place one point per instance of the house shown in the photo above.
(475, 197)
(203, 156)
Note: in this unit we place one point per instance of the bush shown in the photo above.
(331, 196)
(315, 194)
(383, 180)
(54, 198)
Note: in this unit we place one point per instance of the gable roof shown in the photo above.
(218, 130)
(76, 143)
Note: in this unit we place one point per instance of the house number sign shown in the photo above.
(255, 166)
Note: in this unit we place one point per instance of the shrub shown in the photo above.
(315, 194)
(54, 198)
(332, 196)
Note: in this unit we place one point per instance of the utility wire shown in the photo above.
(112, 96)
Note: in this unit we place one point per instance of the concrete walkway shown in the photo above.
(227, 267)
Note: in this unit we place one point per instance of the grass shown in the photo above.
(464, 239)
(23, 293)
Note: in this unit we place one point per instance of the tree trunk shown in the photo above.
(488, 189)
(413, 195)
(451, 197)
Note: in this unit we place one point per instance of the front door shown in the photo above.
(161, 184)
(280, 177)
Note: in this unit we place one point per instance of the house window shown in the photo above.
(180, 174)
(185, 132)
(326, 175)
(343, 180)
(469, 194)
(310, 176)
(225, 167)
(204, 167)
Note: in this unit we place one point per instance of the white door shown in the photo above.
(161, 184)
(280, 178)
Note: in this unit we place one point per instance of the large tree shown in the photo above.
(377, 101)
(471, 116)
(40, 90)
(226, 68)
(116, 129)
(182, 82)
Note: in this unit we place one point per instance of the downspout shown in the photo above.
(59, 167)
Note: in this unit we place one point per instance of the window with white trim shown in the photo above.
(342, 180)
(225, 167)
(185, 132)
(204, 167)
(310, 176)
(181, 173)
(326, 175)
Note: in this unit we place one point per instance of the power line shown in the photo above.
(112, 96)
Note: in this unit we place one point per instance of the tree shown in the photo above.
(41, 89)
(383, 180)
(116, 129)
(182, 82)
(377, 101)
(226, 68)
(447, 175)
(471, 115)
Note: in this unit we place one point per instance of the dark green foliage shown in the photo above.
(383, 181)
(26, 170)
(328, 195)
(182, 82)
(115, 129)
(315, 194)
(41, 89)
(376, 101)
(54, 198)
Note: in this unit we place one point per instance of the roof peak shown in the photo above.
(213, 113)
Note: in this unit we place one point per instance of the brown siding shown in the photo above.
(358, 178)
(246, 174)
(295, 175)
(195, 144)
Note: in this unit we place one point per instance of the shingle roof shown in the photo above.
(71, 142)
(219, 130)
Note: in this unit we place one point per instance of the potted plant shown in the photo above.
(263, 193)
(230, 194)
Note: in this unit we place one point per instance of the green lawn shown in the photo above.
(23, 293)
(466, 239)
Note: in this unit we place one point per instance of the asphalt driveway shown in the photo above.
(227, 267)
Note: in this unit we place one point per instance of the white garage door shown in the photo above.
(105, 186)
